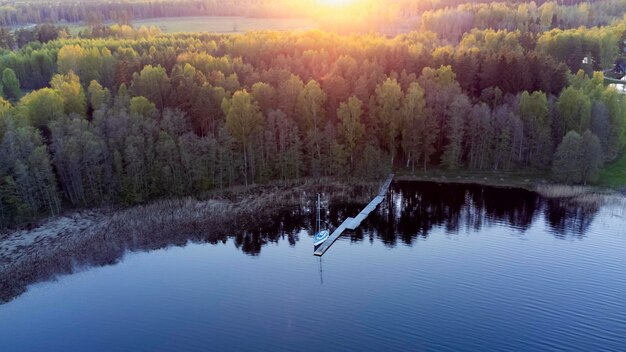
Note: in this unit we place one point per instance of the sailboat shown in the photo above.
(321, 235)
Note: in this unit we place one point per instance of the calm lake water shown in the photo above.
(436, 268)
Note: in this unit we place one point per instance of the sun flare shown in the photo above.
(337, 3)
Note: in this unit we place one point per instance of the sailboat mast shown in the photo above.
(318, 213)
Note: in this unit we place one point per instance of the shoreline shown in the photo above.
(532, 182)
(101, 236)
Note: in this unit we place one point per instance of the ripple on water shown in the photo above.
(446, 268)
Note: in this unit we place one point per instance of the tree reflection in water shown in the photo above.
(411, 210)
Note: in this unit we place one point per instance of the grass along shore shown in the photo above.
(612, 180)
(614, 175)
(101, 236)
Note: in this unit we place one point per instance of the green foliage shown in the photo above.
(578, 158)
(453, 151)
(388, 97)
(566, 166)
(351, 127)
(40, 107)
(79, 154)
(31, 187)
(142, 106)
(243, 121)
(574, 107)
(68, 59)
(614, 174)
(373, 163)
(10, 84)
(534, 113)
(152, 83)
(171, 115)
(71, 92)
(98, 96)
(311, 110)
(591, 158)
(420, 129)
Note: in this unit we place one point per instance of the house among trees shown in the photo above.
(620, 67)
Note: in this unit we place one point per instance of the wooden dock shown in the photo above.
(355, 222)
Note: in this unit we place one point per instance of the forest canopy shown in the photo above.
(389, 16)
(125, 115)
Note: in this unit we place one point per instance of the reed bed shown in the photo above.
(102, 236)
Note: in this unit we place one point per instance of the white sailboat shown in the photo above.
(321, 235)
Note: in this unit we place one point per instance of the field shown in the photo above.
(219, 24)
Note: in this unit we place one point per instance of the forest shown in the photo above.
(123, 115)
(455, 16)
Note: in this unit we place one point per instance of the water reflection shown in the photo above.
(411, 211)
(415, 208)
(568, 219)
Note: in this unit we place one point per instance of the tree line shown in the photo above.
(529, 17)
(122, 120)
(569, 14)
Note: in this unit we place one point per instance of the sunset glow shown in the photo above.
(337, 3)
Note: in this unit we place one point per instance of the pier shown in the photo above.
(355, 222)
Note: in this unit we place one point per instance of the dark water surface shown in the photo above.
(436, 268)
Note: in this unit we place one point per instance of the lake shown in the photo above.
(435, 268)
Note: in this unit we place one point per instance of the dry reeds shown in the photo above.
(102, 236)
(581, 196)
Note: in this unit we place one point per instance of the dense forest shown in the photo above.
(456, 16)
(123, 115)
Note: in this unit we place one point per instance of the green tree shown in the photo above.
(79, 159)
(389, 117)
(616, 107)
(243, 121)
(10, 84)
(41, 106)
(566, 165)
(592, 157)
(574, 108)
(351, 128)
(440, 88)
(142, 106)
(453, 151)
(578, 159)
(6, 39)
(5, 116)
(69, 58)
(265, 95)
(287, 95)
(420, 129)
(152, 83)
(26, 161)
(72, 92)
(98, 96)
(479, 137)
(534, 112)
(311, 108)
